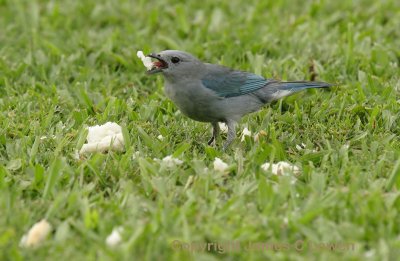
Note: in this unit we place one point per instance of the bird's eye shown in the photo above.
(175, 60)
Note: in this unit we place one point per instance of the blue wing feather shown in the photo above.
(230, 83)
(226, 82)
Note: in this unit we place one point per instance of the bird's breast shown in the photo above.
(193, 100)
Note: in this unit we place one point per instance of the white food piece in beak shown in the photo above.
(145, 60)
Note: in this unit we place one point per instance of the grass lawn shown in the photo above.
(66, 65)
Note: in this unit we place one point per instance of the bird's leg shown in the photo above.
(231, 133)
(215, 133)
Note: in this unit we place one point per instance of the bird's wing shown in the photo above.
(229, 83)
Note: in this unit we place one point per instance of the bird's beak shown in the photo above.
(158, 65)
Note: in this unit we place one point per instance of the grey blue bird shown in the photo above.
(212, 93)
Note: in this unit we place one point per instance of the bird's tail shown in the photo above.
(283, 89)
(302, 85)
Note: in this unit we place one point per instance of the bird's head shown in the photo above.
(174, 64)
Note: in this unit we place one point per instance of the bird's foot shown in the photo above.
(231, 134)
(211, 142)
(226, 145)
